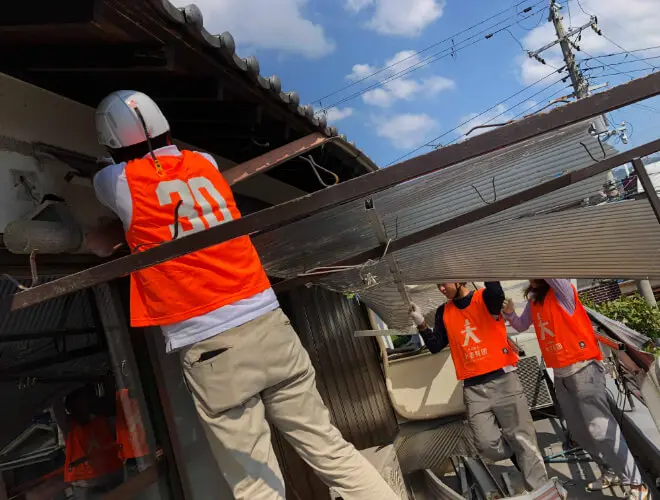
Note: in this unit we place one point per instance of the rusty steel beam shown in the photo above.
(272, 218)
(482, 212)
(273, 158)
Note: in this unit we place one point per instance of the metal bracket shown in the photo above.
(381, 235)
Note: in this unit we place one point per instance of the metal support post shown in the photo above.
(379, 230)
(381, 235)
(648, 186)
(644, 286)
(646, 291)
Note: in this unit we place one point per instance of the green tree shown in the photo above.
(632, 311)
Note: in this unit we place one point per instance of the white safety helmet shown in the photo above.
(122, 117)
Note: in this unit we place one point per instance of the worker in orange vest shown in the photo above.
(241, 358)
(92, 465)
(131, 436)
(570, 348)
(471, 324)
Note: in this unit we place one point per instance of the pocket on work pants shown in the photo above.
(224, 371)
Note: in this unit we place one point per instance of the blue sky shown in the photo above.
(317, 47)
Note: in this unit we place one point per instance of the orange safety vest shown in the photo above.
(564, 339)
(93, 443)
(131, 437)
(199, 282)
(477, 341)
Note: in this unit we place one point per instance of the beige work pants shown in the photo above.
(260, 371)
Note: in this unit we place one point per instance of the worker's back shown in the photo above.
(190, 191)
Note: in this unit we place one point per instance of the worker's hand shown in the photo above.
(105, 240)
(508, 306)
(416, 315)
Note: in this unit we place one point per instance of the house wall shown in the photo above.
(31, 115)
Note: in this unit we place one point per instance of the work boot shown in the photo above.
(607, 480)
(641, 493)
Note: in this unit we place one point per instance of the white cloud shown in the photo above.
(406, 131)
(399, 87)
(337, 114)
(397, 17)
(266, 24)
(358, 5)
(633, 24)
(360, 71)
(532, 71)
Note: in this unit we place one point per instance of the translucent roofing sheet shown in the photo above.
(341, 232)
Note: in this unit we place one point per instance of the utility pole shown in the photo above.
(579, 84)
(564, 40)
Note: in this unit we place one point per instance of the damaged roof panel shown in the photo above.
(335, 234)
(611, 240)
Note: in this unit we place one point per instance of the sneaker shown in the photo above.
(638, 494)
(607, 480)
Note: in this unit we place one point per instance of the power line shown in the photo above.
(582, 9)
(507, 110)
(538, 23)
(647, 108)
(626, 51)
(599, 60)
(426, 49)
(548, 98)
(623, 73)
(624, 62)
(429, 143)
(424, 62)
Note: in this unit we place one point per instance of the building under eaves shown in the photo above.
(509, 204)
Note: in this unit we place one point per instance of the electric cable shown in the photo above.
(427, 48)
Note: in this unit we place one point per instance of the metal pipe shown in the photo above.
(644, 286)
(359, 187)
(646, 291)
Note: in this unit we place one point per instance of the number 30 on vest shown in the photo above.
(202, 204)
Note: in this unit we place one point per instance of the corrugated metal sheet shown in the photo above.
(430, 448)
(556, 235)
(605, 241)
(348, 377)
(335, 234)
(348, 371)
(72, 312)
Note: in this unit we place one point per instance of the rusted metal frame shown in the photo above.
(359, 187)
(273, 158)
(173, 449)
(648, 186)
(124, 365)
(381, 235)
(484, 211)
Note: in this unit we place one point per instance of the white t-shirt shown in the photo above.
(112, 190)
